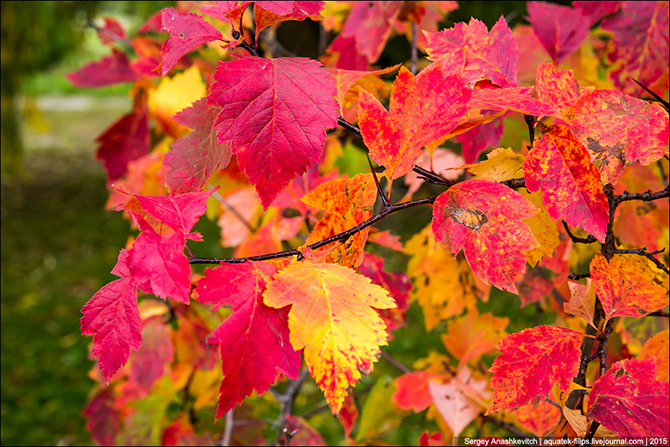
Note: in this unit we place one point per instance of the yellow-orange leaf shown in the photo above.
(501, 165)
(471, 336)
(583, 301)
(333, 319)
(628, 286)
(657, 348)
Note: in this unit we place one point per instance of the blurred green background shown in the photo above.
(58, 242)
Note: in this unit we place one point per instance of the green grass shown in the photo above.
(58, 247)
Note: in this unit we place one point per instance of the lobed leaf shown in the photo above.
(273, 114)
(333, 319)
(484, 219)
(532, 361)
(561, 29)
(254, 341)
(630, 401)
(571, 189)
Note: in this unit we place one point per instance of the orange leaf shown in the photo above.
(555, 87)
(473, 335)
(627, 286)
(332, 319)
(412, 391)
(583, 301)
(657, 348)
(539, 420)
(619, 130)
(570, 182)
(422, 109)
(531, 362)
(348, 202)
(484, 219)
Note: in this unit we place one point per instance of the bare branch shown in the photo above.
(579, 240)
(395, 363)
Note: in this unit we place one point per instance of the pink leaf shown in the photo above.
(630, 401)
(109, 70)
(254, 341)
(274, 116)
(561, 29)
(113, 318)
(187, 32)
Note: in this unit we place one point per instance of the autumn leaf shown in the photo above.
(254, 341)
(347, 202)
(454, 404)
(150, 363)
(531, 362)
(656, 348)
(473, 335)
(158, 264)
(571, 189)
(477, 139)
(370, 25)
(640, 44)
(434, 270)
(484, 219)
(501, 164)
(517, 99)
(346, 80)
(619, 130)
(412, 390)
(196, 156)
(561, 29)
(273, 114)
(582, 302)
(539, 419)
(630, 401)
(333, 319)
(124, 141)
(556, 87)
(489, 55)
(109, 70)
(113, 319)
(628, 286)
(186, 33)
(545, 231)
(422, 109)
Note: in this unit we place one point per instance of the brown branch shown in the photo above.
(644, 196)
(287, 399)
(415, 54)
(659, 313)
(578, 276)
(340, 237)
(579, 240)
(395, 363)
(646, 254)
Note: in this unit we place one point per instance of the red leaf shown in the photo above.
(305, 435)
(627, 286)
(596, 10)
(570, 182)
(254, 341)
(422, 110)
(179, 212)
(369, 23)
(124, 141)
(412, 391)
(561, 29)
(493, 56)
(159, 266)
(532, 361)
(113, 318)
(484, 219)
(619, 130)
(103, 417)
(196, 156)
(511, 98)
(111, 31)
(109, 70)
(186, 32)
(150, 363)
(555, 87)
(630, 401)
(274, 115)
(476, 140)
(641, 44)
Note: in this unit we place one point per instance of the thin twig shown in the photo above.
(228, 431)
(415, 53)
(340, 237)
(380, 191)
(646, 254)
(578, 276)
(664, 103)
(579, 240)
(659, 313)
(395, 363)
(232, 209)
(644, 196)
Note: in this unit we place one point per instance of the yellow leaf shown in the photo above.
(502, 164)
(544, 229)
(176, 93)
(333, 319)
